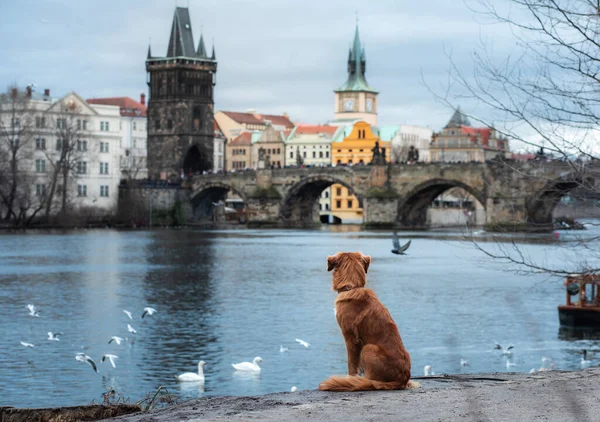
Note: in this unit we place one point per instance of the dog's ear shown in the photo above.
(332, 262)
(366, 262)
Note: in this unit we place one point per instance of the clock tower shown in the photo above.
(356, 99)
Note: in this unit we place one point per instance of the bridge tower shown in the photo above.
(180, 107)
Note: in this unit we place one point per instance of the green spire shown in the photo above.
(357, 66)
(201, 48)
(149, 51)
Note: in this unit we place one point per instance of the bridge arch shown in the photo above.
(205, 196)
(300, 206)
(412, 209)
(542, 204)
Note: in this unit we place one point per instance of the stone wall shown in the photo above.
(145, 205)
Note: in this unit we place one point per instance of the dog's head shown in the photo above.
(349, 270)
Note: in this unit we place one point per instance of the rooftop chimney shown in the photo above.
(143, 98)
(46, 92)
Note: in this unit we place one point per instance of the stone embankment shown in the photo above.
(544, 396)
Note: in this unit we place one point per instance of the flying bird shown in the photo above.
(131, 329)
(399, 250)
(116, 339)
(248, 366)
(128, 314)
(302, 342)
(82, 357)
(148, 311)
(283, 349)
(33, 311)
(54, 336)
(111, 358)
(507, 351)
(23, 343)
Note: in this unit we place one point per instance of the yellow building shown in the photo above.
(356, 149)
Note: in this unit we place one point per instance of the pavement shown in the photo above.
(545, 396)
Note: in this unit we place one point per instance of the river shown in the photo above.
(228, 296)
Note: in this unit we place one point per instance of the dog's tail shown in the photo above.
(356, 383)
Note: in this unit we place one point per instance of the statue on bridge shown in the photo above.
(413, 155)
(378, 155)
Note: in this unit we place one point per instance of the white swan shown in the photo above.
(510, 364)
(428, 370)
(283, 349)
(191, 376)
(294, 389)
(464, 362)
(584, 361)
(248, 366)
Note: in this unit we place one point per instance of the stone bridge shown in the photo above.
(515, 195)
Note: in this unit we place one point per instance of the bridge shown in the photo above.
(515, 195)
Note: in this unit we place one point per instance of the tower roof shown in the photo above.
(201, 48)
(181, 42)
(458, 119)
(357, 66)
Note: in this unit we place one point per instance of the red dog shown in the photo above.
(372, 339)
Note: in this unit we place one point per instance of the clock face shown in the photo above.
(348, 104)
(369, 104)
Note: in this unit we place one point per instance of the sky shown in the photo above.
(273, 56)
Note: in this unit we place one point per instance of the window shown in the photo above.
(85, 125)
(103, 168)
(291, 154)
(157, 124)
(59, 144)
(220, 147)
(320, 154)
(349, 203)
(81, 190)
(61, 123)
(104, 190)
(103, 146)
(326, 154)
(15, 122)
(326, 194)
(304, 154)
(134, 126)
(40, 122)
(338, 191)
(314, 154)
(40, 166)
(269, 151)
(78, 124)
(82, 167)
(40, 143)
(327, 207)
(338, 204)
(104, 127)
(278, 150)
(81, 145)
(169, 124)
(40, 189)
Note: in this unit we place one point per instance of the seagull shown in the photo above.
(294, 389)
(283, 349)
(428, 370)
(302, 342)
(506, 351)
(111, 358)
(33, 311)
(464, 362)
(584, 361)
(131, 329)
(509, 364)
(248, 366)
(82, 357)
(116, 339)
(54, 336)
(148, 311)
(399, 250)
(27, 344)
(128, 313)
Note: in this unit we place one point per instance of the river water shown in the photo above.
(228, 296)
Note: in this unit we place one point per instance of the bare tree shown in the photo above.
(547, 96)
(17, 127)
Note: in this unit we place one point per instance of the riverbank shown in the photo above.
(549, 396)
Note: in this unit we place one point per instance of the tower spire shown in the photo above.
(201, 48)
(213, 56)
(149, 51)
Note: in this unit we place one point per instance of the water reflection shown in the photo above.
(571, 334)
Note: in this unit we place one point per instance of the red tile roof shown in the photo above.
(522, 157)
(315, 129)
(474, 132)
(245, 138)
(128, 106)
(259, 119)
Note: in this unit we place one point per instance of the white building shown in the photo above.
(312, 142)
(218, 149)
(416, 136)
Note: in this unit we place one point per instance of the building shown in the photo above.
(269, 149)
(180, 108)
(355, 99)
(233, 123)
(311, 143)
(458, 141)
(355, 149)
(133, 150)
(238, 152)
(66, 134)
(219, 149)
(407, 136)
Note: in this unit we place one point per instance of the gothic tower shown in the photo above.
(180, 108)
(356, 99)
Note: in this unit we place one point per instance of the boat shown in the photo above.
(583, 301)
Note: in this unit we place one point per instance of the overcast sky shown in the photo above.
(274, 56)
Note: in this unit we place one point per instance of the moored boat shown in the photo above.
(582, 308)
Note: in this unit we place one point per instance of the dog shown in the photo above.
(372, 338)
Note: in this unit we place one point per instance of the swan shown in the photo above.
(247, 366)
(510, 364)
(428, 370)
(294, 389)
(464, 362)
(283, 349)
(584, 361)
(191, 376)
